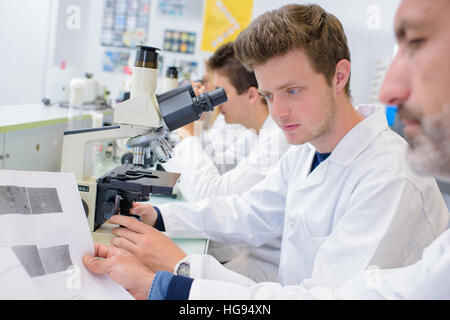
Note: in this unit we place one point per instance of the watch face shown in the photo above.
(184, 269)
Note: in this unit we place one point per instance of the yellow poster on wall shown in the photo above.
(223, 21)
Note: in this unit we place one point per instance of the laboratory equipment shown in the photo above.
(145, 118)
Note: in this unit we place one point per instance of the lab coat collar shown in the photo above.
(357, 139)
(353, 143)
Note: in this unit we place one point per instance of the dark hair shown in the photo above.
(225, 62)
(310, 28)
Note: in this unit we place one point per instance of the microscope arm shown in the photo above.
(74, 146)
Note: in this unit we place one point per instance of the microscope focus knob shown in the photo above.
(108, 209)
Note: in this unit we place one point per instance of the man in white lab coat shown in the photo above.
(360, 207)
(417, 81)
(240, 166)
(260, 148)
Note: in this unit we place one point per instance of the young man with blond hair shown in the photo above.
(244, 163)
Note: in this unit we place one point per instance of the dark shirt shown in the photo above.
(318, 158)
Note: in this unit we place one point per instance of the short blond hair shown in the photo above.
(319, 34)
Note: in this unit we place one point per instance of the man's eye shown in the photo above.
(415, 43)
(293, 91)
(268, 97)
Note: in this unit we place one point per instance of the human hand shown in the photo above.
(188, 130)
(123, 268)
(198, 87)
(146, 212)
(150, 246)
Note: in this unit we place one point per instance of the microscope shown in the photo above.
(145, 119)
(170, 81)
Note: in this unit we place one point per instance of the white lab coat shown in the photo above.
(362, 206)
(205, 175)
(254, 155)
(426, 279)
(222, 142)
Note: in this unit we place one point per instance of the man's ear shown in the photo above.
(342, 75)
(253, 95)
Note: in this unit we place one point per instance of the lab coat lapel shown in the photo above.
(357, 140)
(346, 150)
(309, 179)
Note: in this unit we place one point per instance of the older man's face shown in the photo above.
(418, 81)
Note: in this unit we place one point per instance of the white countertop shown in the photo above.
(13, 117)
(25, 113)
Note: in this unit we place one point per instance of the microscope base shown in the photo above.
(103, 235)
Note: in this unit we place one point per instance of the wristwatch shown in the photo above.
(183, 268)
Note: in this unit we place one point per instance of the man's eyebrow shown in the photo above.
(405, 25)
(281, 87)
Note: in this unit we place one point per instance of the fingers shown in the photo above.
(198, 87)
(140, 209)
(139, 204)
(129, 222)
(146, 211)
(196, 84)
(124, 243)
(201, 90)
(104, 251)
(127, 234)
(96, 265)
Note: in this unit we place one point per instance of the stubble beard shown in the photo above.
(429, 152)
(327, 127)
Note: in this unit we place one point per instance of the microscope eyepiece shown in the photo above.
(147, 57)
(180, 106)
(208, 100)
(172, 72)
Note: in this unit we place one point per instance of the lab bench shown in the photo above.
(31, 135)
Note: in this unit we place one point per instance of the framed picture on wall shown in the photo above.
(179, 41)
(172, 8)
(125, 23)
(115, 61)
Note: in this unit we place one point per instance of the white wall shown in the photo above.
(27, 24)
(24, 29)
(75, 46)
(92, 16)
(191, 23)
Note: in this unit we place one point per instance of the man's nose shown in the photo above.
(395, 88)
(278, 109)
